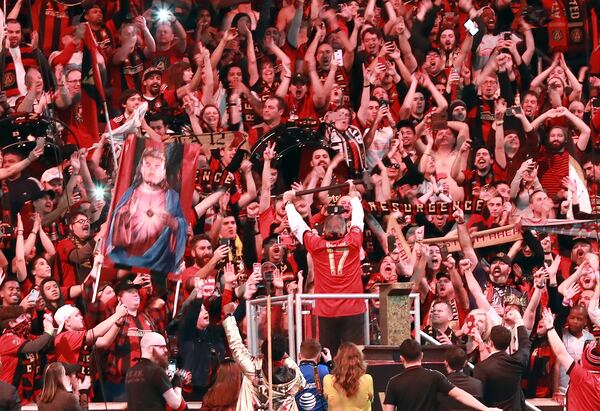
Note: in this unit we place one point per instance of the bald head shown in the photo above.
(150, 341)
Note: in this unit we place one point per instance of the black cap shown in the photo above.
(502, 257)
(299, 79)
(39, 193)
(126, 285)
(442, 274)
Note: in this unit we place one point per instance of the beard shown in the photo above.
(160, 359)
(557, 146)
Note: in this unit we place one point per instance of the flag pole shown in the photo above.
(110, 136)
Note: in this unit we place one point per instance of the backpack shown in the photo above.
(311, 397)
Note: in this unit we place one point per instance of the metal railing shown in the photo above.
(295, 311)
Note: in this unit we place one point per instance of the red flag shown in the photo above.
(92, 92)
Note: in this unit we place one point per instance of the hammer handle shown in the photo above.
(319, 189)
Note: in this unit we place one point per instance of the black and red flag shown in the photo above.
(92, 91)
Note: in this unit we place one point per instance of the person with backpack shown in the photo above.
(311, 398)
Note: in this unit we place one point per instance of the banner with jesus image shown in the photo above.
(151, 205)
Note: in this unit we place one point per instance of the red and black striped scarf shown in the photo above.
(9, 77)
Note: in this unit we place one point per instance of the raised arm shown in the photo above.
(562, 355)
(265, 188)
(499, 153)
(250, 194)
(463, 237)
(460, 163)
(297, 223)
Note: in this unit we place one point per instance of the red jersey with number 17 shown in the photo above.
(337, 270)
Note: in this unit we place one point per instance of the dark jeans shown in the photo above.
(333, 331)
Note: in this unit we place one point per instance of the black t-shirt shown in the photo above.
(145, 384)
(416, 388)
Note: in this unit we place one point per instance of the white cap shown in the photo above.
(62, 314)
(51, 174)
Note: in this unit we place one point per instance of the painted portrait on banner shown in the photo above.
(148, 222)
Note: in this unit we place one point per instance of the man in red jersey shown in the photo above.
(336, 257)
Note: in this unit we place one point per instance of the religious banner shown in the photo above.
(573, 228)
(480, 239)
(437, 208)
(152, 205)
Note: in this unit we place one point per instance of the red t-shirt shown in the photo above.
(10, 345)
(64, 269)
(67, 346)
(337, 270)
(584, 390)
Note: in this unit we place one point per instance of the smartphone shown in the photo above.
(595, 102)
(338, 58)
(517, 110)
(34, 294)
(444, 252)
(256, 268)
(40, 141)
(198, 284)
(285, 240)
(391, 243)
(172, 366)
(471, 27)
(506, 35)
(335, 209)
(470, 321)
(439, 120)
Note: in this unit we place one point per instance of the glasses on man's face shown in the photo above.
(394, 165)
(81, 221)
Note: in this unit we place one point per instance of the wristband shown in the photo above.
(542, 287)
(550, 329)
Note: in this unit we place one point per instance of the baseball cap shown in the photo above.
(62, 314)
(151, 70)
(502, 257)
(51, 174)
(299, 79)
(126, 285)
(42, 193)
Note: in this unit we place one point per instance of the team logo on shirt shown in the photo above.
(9, 79)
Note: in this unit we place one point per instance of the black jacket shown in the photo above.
(9, 398)
(471, 385)
(501, 375)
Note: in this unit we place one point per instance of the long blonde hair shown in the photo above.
(349, 367)
(53, 381)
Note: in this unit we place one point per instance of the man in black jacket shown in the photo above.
(501, 373)
(455, 362)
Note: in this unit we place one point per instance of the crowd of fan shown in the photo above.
(431, 112)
